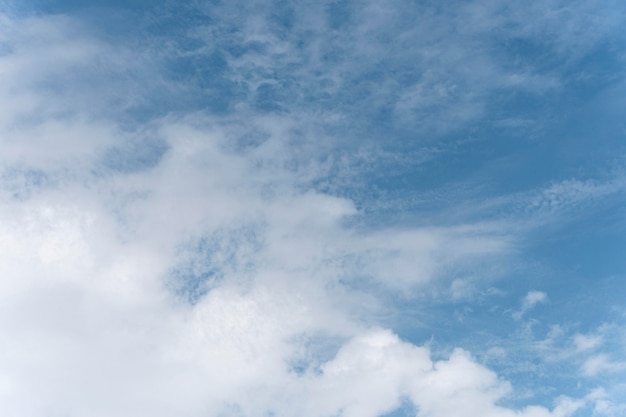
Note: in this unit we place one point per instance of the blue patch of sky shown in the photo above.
(135, 155)
(204, 261)
(199, 271)
(66, 6)
(312, 352)
(23, 183)
(406, 409)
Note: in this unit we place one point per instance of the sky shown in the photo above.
(312, 208)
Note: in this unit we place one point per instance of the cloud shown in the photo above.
(407, 66)
(587, 342)
(603, 405)
(601, 363)
(572, 194)
(185, 262)
(531, 299)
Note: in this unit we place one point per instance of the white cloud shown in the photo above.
(531, 299)
(603, 406)
(90, 325)
(587, 342)
(571, 194)
(601, 364)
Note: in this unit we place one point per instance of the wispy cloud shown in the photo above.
(601, 364)
(529, 302)
(587, 342)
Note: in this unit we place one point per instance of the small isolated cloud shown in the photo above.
(585, 343)
(601, 364)
(529, 302)
(533, 298)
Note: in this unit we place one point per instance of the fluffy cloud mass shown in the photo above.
(167, 254)
(205, 284)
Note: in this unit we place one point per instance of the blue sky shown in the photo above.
(332, 208)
